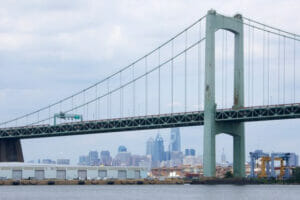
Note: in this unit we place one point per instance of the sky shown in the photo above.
(50, 49)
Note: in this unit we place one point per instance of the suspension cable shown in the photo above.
(112, 75)
(249, 63)
(137, 78)
(222, 65)
(159, 82)
(252, 67)
(271, 27)
(108, 101)
(294, 70)
(199, 69)
(185, 74)
(263, 69)
(121, 96)
(146, 87)
(96, 103)
(226, 67)
(278, 65)
(172, 76)
(283, 69)
(133, 91)
(268, 65)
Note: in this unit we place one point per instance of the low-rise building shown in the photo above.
(18, 171)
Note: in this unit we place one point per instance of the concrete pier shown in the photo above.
(11, 150)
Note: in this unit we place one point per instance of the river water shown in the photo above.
(153, 192)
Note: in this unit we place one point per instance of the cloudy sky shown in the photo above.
(50, 49)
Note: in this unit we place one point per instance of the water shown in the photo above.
(147, 192)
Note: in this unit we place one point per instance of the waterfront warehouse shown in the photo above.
(18, 171)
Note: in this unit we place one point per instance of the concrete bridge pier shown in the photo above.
(11, 150)
(234, 25)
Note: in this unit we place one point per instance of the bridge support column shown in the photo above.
(11, 150)
(234, 24)
(239, 152)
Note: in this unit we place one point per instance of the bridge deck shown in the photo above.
(259, 113)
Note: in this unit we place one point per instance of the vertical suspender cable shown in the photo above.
(96, 103)
(99, 106)
(249, 59)
(278, 65)
(146, 86)
(86, 107)
(133, 92)
(108, 105)
(222, 62)
(263, 67)
(294, 71)
(72, 102)
(159, 81)
(121, 96)
(199, 69)
(83, 109)
(252, 68)
(283, 69)
(49, 114)
(268, 65)
(172, 76)
(185, 73)
(226, 70)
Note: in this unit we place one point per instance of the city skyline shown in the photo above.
(117, 41)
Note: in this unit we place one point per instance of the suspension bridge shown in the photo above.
(218, 72)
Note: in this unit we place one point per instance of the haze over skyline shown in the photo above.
(51, 49)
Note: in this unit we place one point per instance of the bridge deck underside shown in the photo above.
(152, 122)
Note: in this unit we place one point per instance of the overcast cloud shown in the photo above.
(52, 48)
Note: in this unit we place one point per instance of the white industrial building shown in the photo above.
(19, 171)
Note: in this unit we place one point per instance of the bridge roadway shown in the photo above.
(246, 114)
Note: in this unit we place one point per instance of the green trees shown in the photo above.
(228, 174)
(296, 174)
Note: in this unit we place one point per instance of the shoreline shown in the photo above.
(149, 182)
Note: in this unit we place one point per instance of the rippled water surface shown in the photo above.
(147, 192)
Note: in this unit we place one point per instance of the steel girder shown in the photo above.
(152, 122)
(261, 113)
(103, 126)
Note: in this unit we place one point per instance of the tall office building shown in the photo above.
(93, 158)
(190, 152)
(223, 157)
(83, 160)
(175, 143)
(150, 146)
(158, 151)
(63, 161)
(122, 159)
(122, 149)
(105, 158)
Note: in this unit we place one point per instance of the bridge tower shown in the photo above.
(234, 24)
(11, 150)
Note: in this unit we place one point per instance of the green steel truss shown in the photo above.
(152, 122)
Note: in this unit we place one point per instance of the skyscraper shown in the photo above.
(223, 157)
(190, 152)
(150, 146)
(175, 143)
(83, 160)
(158, 151)
(93, 158)
(122, 149)
(105, 158)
